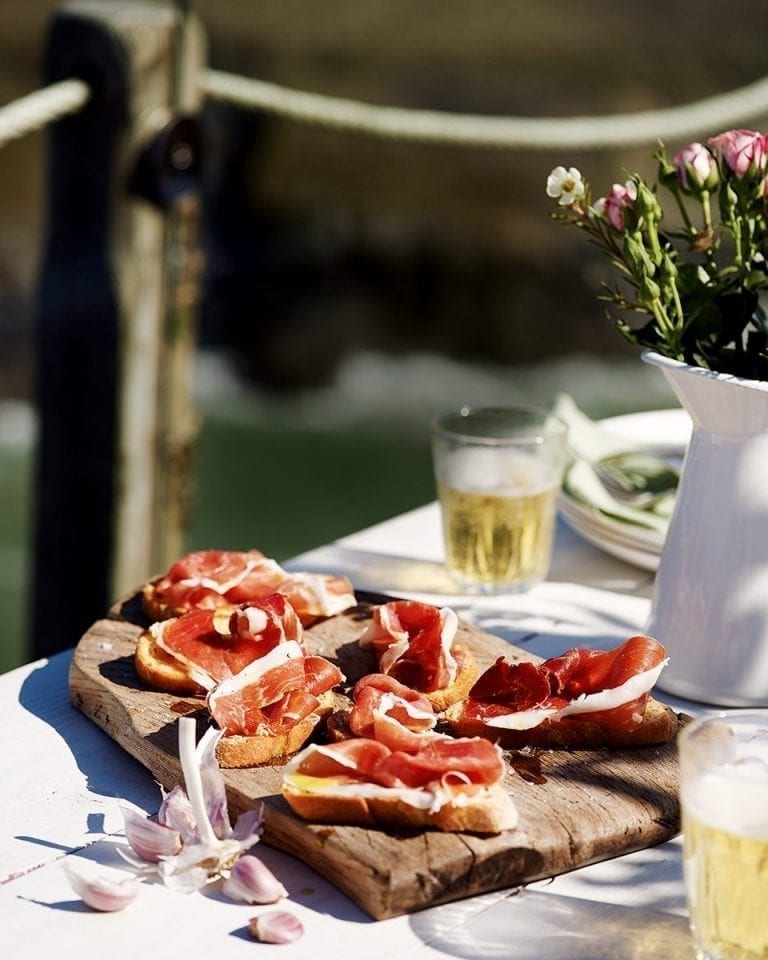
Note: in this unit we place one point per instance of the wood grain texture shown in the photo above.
(592, 805)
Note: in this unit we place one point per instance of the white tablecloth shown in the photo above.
(62, 780)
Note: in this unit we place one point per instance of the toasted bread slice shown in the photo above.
(491, 810)
(660, 725)
(162, 671)
(253, 751)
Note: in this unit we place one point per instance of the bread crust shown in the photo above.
(660, 725)
(236, 751)
(161, 671)
(490, 811)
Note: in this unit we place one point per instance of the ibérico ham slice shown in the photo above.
(413, 641)
(215, 644)
(600, 686)
(449, 764)
(206, 579)
(267, 622)
(272, 694)
(354, 759)
(448, 761)
(388, 711)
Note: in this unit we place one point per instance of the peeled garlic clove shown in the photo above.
(101, 893)
(150, 840)
(276, 926)
(253, 882)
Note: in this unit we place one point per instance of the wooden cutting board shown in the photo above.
(575, 807)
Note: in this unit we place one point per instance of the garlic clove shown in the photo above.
(151, 841)
(101, 893)
(251, 881)
(276, 926)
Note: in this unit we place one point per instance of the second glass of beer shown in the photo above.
(498, 472)
(724, 800)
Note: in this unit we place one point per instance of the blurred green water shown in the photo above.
(278, 488)
(15, 463)
(286, 489)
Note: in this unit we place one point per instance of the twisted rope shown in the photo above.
(42, 107)
(522, 133)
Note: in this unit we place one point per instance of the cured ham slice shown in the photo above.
(606, 687)
(272, 694)
(413, 642)
(448, 771)
(207, 579)
(216, 569)
(463, 763)
(267, 623)
(450, 784)
(318, 594)
(215, 644)
(387, 711)
(349, 760)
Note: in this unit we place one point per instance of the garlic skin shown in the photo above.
(251, 881)
(176, 813)
(276, 926)
(101, 893)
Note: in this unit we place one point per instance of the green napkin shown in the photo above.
(647, 482)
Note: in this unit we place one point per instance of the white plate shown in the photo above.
(664, 431)
(661, 429)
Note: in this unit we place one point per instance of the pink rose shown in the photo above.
(743, 151)
(614, 205)
(696, 168)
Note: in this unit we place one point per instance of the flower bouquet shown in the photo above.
(695, 284)
(696, 287)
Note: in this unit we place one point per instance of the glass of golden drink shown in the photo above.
(498, 472)
(724, 800)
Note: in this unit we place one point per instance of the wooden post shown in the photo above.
(117, 312)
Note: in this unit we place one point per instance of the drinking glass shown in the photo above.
(724, 800)
(498, 472)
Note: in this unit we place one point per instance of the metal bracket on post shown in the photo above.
(170, 165)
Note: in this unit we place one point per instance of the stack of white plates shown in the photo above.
(663, 432)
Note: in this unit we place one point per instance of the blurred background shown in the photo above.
(353, 286)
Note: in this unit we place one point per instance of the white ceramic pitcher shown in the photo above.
(710, 606)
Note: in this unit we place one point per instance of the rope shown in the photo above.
(40, 108)
(523, 133)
